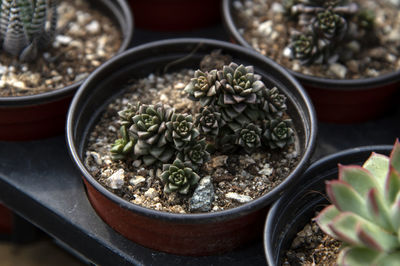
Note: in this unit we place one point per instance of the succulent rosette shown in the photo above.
(181, 130)
(178, 178)
(150, 129)
(195, 153)
(123, 147)
(209, 121)
(365, 211)
(203, 87)
(249, 137)
(273, 102)
(329, 25)
(278, 133)
(304, 48)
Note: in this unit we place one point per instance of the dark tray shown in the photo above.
(39, 182)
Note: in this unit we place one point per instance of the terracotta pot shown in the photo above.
(6, 220)
(336, 101)
(44, 115)
(299, 204)
(175, 15)
(187, 234)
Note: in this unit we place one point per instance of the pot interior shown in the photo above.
(109, 82)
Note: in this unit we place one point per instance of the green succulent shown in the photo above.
(150, 129)
(304, 48)
(239, 89)
(365, 213)
(278, 133)
(209, 121)
(181, 130)
(329, 25)
(123, 147)
(23, 28)
(249, 137)
(195, 153)
(126, 115)
(203, 87)
(273, 102)
(178, 177)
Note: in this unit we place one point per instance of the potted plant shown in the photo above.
(323, 44)
(175, 15)
(177, 231)
(288, 217)
(39, 70)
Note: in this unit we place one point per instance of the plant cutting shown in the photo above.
(171, 147)
(41, 43)
(322, 44)
(285, 228)
(365, 211)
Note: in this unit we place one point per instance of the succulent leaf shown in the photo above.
(325, 217)
(357, 256)
(343, 227)
(346, 198)
(376, 238)
(377, 165)
(392, 185)
(358, 178)
(395, 156)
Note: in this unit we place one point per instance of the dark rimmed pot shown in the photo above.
(186, 234)
(336, 101)
(44, 115)
(299, 204)
(175, 15)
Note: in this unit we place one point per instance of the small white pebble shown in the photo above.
(151, 193)
(116, 180)
(238, 197)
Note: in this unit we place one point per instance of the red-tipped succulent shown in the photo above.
(365, 213)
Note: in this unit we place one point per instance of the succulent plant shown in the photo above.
(249, 137)
(278, 133)
(365, 213)
(209, 121)
(273, 102)
(126, 115)
(150, 129)
(325, 27)
(123, 147)
(329, 25)
(178, 177)
(239, 89)
(304, 48)
(23, 26)
(203, 87)
(195, 153)
(181, 130)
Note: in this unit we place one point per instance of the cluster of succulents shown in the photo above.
(324, 28)
(23, 29)
(365, 214)
(237, 111)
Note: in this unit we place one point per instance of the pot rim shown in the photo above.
(319, 82)
(197, 217)
(122, 13)
(315, 167)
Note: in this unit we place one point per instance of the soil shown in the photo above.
(312, 247)
(237, 178)
(266, 28)
(85, 39)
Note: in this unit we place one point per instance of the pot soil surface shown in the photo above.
(312, 246)
(237, 178)
(85, 39)
(266, 28)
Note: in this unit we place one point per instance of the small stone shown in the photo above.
(266, 171)
(116, 180)
(151, 193)
(137, 180)
(93, 27)
(81, 76)
(203, 196)
(339, 70)
(277, 8)
(265, 28)
(218, 161)
(63, 39)
(238, 197)
(96, 157)
(136, 163)
(179, 86)
(3, 69)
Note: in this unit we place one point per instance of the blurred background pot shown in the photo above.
(335, 101)
(43, 115)
(299, 205)
(186, 234)
(175, 15)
